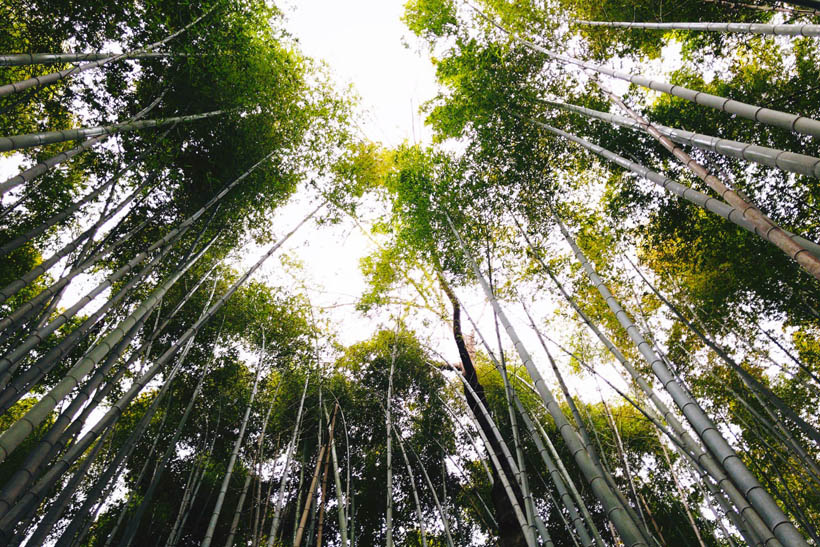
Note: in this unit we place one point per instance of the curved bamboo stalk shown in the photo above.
(46, 79)
(613, 507)
(237, 445)
(711, 204)
(340, 503)
(442, 513)
(742, 28)
(771, 157)
(743, 479)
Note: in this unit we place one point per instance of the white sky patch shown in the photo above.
(363, 42)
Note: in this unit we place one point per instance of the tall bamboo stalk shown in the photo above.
(741, 28)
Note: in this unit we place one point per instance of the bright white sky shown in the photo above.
(361, 40)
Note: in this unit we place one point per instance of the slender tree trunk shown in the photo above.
(419, 516)
(506, 494)
(238, 512)
(742, 28)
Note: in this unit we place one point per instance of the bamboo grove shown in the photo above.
(596, 291)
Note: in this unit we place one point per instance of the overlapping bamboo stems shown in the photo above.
(550, 465)
(692, 448)
(67, 212)
(696, 463)
(743, 479)
(30, 140)
(749, 380)
(27, 504)
(701, 200)
(24, 382)
(612, 505)
(280, 498)
(170, 450)
(445, 519)
(171, 236)
(46, 79)
(300, 530)
(337, 479)
(494, 457)
(506, 468)
(19, 430)
(63, 428)
(739, 28)
(619, 445)
(479, 453)
(764, 226)
(569, 495)
(785, 120)
(68, 491)
(185, 505)
(771, 157)
(599, 461)
(768, 116)
(521, 478)
(260, 453)
(116, 410)
(15, 286)
(472, 493)
(501, 366)
(237, 445)
(44, 166)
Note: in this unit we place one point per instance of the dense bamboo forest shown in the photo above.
(592, 305)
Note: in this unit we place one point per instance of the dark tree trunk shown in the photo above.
(509, 531)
